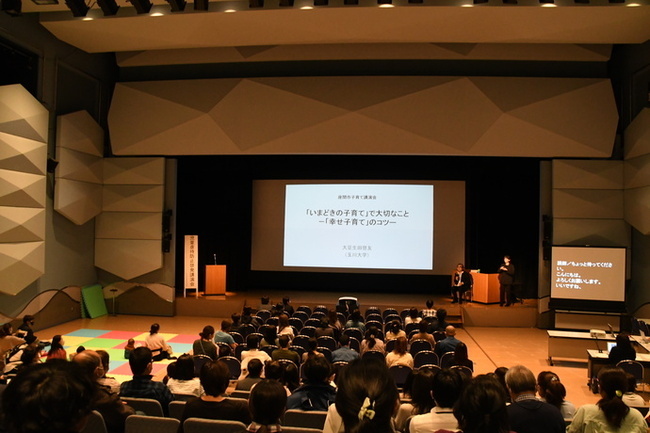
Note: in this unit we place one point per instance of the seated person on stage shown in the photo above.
(56, 349)
(253, 352)
(316, 393)
(355, 321)
(423, 334)
(623, 349)
(438, 323)
(254, 375)
(449, 343)
(429, 311)
(130, 345)
(55, 396)
(215, 377)
(527, 414)
(284, 352)
(395, 330)
(631, 398)
(446, 389)
(344, 353)
(103, 400)
(551, 390)
(412, 317)
(399, 355)
(267, 404)
(461, 281)
(182, 379)
(142, 385)
(223, 336)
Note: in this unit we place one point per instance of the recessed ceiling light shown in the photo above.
(229, 11)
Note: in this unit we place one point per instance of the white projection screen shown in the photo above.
(369, 226)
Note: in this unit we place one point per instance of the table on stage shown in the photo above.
(573, 344)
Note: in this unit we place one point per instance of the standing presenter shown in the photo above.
(461, 281)
(506, 283)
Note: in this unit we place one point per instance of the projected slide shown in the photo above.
(374, 226)
(583, 273)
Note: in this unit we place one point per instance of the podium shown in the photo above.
(215, 280)
(486, 288)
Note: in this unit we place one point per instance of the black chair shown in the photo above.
(355, 344)
(434, 368)
(296, 323)
(388, 312)
(447, 360)
(302, 315)
(239, 349)
(304, 308)
(464, 370)
(375, 317)
(234, 366)
(425, 357)
(354, 333)
(298, 349)
(309, 331)
(246, 329)
(325, 351)
(272, 321)
(199, 361)
(439, 335)
(264, 315)
(321, 309)
(635, 368)
(374, 354)
(410, 327)
(405, 312)
(373, 310)
(390, 345)
(269, 349)
(419, 345)
(390, 317)
(239, 339)
(301, 340)
(400, 373)
(317, 315)
(325, 341)
(312, 322)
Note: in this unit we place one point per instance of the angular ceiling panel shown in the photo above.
(21, 189)
(19, 224)
(78, 201)
(637, 135)
(80, 132)
(22, 154)
(637, 208)
(20, 265)
(588, 174)
(74, 165)
(21, 114)
(134, 171)
(128, 259)
(129, 225)
(133, 198)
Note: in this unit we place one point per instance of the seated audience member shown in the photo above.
(312, 350)
(316, 393)
(286, 305)
(235, 318)
(371, 342)
(142, 385)
(267, 404)
(335, 324)
(275, 371)
(265, 303)
(449, 343)
(215, 377)
(55, 397)
(26, 327)
(418, 387)
(254, 375)
(344, 353)
(270, 336)
(399, 355)
(412, 316)
(253, 352)
(395, 330)
(481, 407)
(423, 334)
(7, 342)
(247, 316)
(25, 357)
(284, 352)
(438, 323)
(552, 391)
(356, 321)
(527, 414)
(446, 388)
(367, 398)
(56, 349)
(290, 377)
(103, 400)
(610, 414)
(429, 311)
(630, 398)
(223, 336)
(130, 345)
(324, 329)
(156, 343)
(460, 356)
(500, 374)
(182, 379)
(106, 381)
(204, 345)
(623, 349)
(284, 328)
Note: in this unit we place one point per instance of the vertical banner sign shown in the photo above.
(191, 263)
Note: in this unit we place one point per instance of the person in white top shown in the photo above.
(182, 379)
(631, 398)
(399, 355)
(252, 343)
(446, 389)
(412, 317)
(551, 390)
(283, 326)
(156, 343)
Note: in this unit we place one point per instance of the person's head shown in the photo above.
(171, 370)
(247, 311)
(344, 340)
(226, 325)
(613, 384)
(371, 335)
(267, 403)
(312, 344)
(286, 300)
(283, 321)
(355, 316)
(235, 319)
(450, 331)
(140, 361)
(30, 355)
(623, 341)
(460, 352)
(252, 341)
(264, 300)
(270, 334)
(105, 359)
(395, 326)
(214, 377)
(506, 260)
(460, 267)
(422, 326)
(420, 384)
(550, 388)
(441, 314)
(255, 367)
(273, 370)
(520, 380)
(324, 322)
(291, 376)
(130, 343)
(154, 329)
(631, 382)
(446, 387)
(54, 397)
(367, 397)
(28, 319)
(91, 363)
(500, 375)
(184, 368)
(6, 330)
(284, 341)
(208, 332)
(317, 369)
(57, 343)
(481, 407)
(80, 349)
(413, 313)
(429, 304)
(400, 345)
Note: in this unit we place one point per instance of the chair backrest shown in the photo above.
(301, 340)
(239, 339)
(312, 322)
(325, 351)
(405, 312)
(269, 349)
(400, 373)
(298, 349)
(285, 362)
(374, 354)
(326, 341)
(425, 357)
(354, 333)
(233, 365)
(296, 323)
(307, 330)
(264, 315)
(434, 368)
(201, 425)
(411, 327)
(240, 393)
(389, 311)
(305, 309)
(302, 315)
(390, 317)
(151, 424)
(176, 409)
(184, 397)
(303, 418)
(148, 406)
(246, 329)
(272, 321)
(355, 344)
(390, 345)
(317, 315)
(199, 361)
(373, 310)
(439, 335)
(635, 368)
(95, 423)
(374, 317)
(447, 360)
(464, 370)
(419, 345)
(239, 349)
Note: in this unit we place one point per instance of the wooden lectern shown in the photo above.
(486, 288)
(215, 280)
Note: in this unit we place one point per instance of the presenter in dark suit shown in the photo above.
(506, 283)
(461, 281)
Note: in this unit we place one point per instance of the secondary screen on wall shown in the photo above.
(369, 226)
(588, 273)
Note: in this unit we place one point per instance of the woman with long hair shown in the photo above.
(460, 356)
(56, 349)
(399, 355)
(418, 386)
(284, 328)
(156, 343)
(371, 342)
(182, 379)
(622, 350)
(552, 391)
(267, 403)
(204, 345)
(482, 407)
(610, 414)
